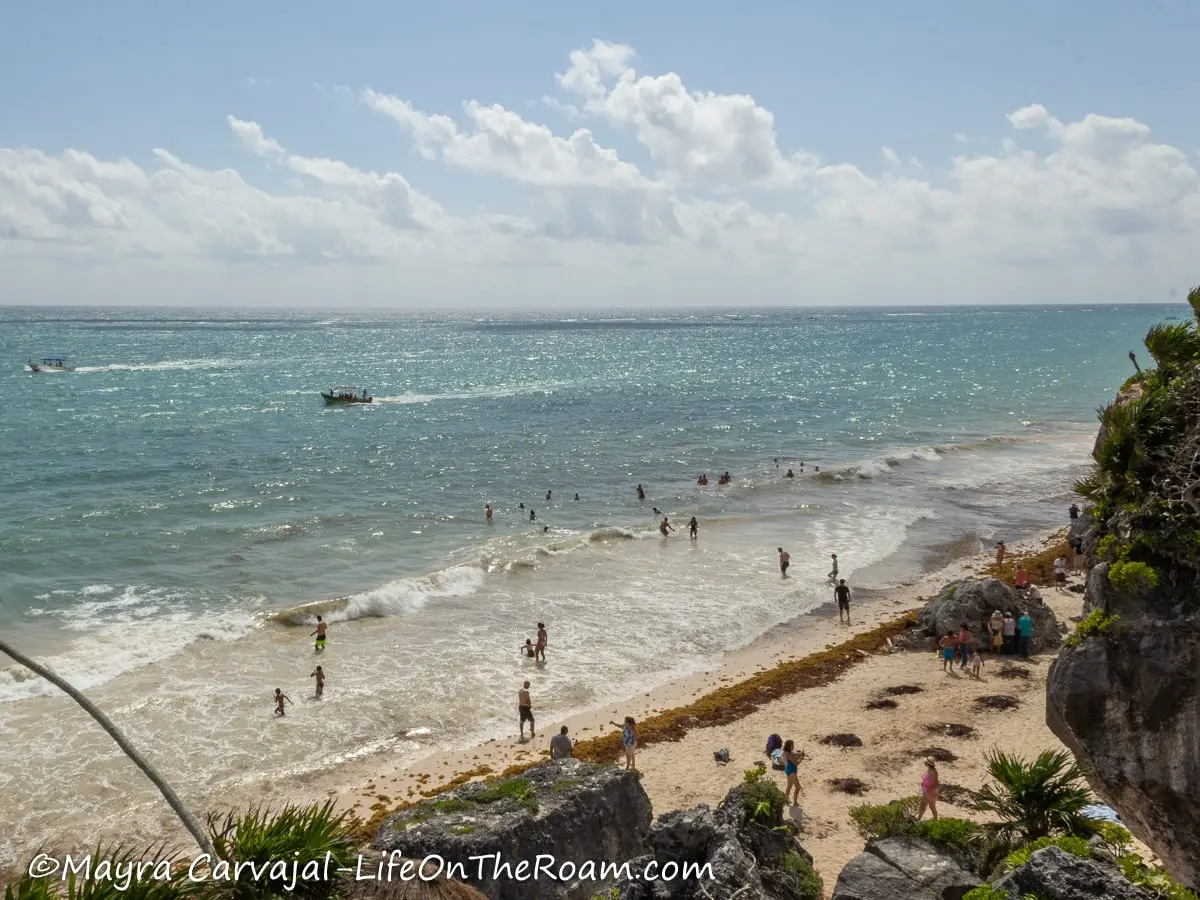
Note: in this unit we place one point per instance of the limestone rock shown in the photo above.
(1057, 875)
(973, 600)
(904, 869)
(569, 810)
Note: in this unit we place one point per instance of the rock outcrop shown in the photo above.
(561, 812)
(903, 869)
(1056, 875)
(1127, 703)
(744, 859)
(973, 600)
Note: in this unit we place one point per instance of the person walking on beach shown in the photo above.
(964, 645)
(319, 644)
(1024, 634)
(525, 710)
(976, 663)
(319, 674)
(785, 560)
(841, 593)
(542, 640)
(929, 790)
(629, 739)
(1000, 551)
(487, 512)
(561, 746)
(665, 527)
(833, 572)
(946, 646)
(280, 699)
(1077, 554)
(791, 768)
(1021, 579)
(693, 528)
(1010, 634)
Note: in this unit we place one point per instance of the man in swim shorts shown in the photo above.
(665, 527)
(842, 594)
(320, 633)
(525, 709)
(785, 560)
(319, 674)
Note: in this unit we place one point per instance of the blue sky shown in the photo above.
(116, 80)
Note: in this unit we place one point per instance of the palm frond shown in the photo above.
(1034, 799)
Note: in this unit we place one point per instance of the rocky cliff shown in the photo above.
(1124, 695)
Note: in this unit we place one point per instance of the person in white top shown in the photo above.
(1060, 573)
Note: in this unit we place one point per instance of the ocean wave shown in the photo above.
(165, 366)
(397, 598)
(486, 394)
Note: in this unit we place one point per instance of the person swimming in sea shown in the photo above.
(703, 479)
(693, 527)
(532, 515)
(487, 512)
(576, 496)
(790, 474)
(528, 649)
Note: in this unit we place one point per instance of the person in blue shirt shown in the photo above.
(1024, 633)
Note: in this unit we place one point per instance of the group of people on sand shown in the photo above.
(561, 744)
(1006, 635)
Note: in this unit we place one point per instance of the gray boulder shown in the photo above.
(1057, 875)
(743, 859)
(903, 869)
(973, 600)
(569, 811)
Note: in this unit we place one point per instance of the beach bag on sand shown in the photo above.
(774, 742)
(722, 755)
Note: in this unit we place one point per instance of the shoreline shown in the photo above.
(369, 790)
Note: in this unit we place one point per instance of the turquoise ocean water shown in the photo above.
(175, 510)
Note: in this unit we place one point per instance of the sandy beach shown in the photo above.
(894, 741)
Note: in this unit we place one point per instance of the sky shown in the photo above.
(467, 154)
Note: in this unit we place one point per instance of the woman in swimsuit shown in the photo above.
(929, 790)
(628, 740)
(791, 761)
(693, 527)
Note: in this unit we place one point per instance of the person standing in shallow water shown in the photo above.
(785, 560)
(319, 674)
(665, 527)
(280, 699)
(487, 512)
(833, 572)
(525, 710)
(1000, 551)
(319, 644)
(542, 639)
(693, 528)
(641, 494)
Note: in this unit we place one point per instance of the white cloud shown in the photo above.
(712, 140)
(1094, 208)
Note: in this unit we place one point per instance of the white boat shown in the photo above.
(51, 364)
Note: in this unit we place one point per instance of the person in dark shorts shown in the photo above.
(842, 594)
(785, 560)
(525, 710)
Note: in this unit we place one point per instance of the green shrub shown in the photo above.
(1093, 624)
(1156, 881)
(949, 832)
(299, 835)
(1116, 837)
(806, 883)
(762, 799)
(1067, 843)
(985, 892)
(1129, 575)
(1035, 799)
(883, 820)
(519, 790)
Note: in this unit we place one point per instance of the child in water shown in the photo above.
(280, 699)
(319, 674)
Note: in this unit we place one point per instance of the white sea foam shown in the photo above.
(165, 366)
(548, 387)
